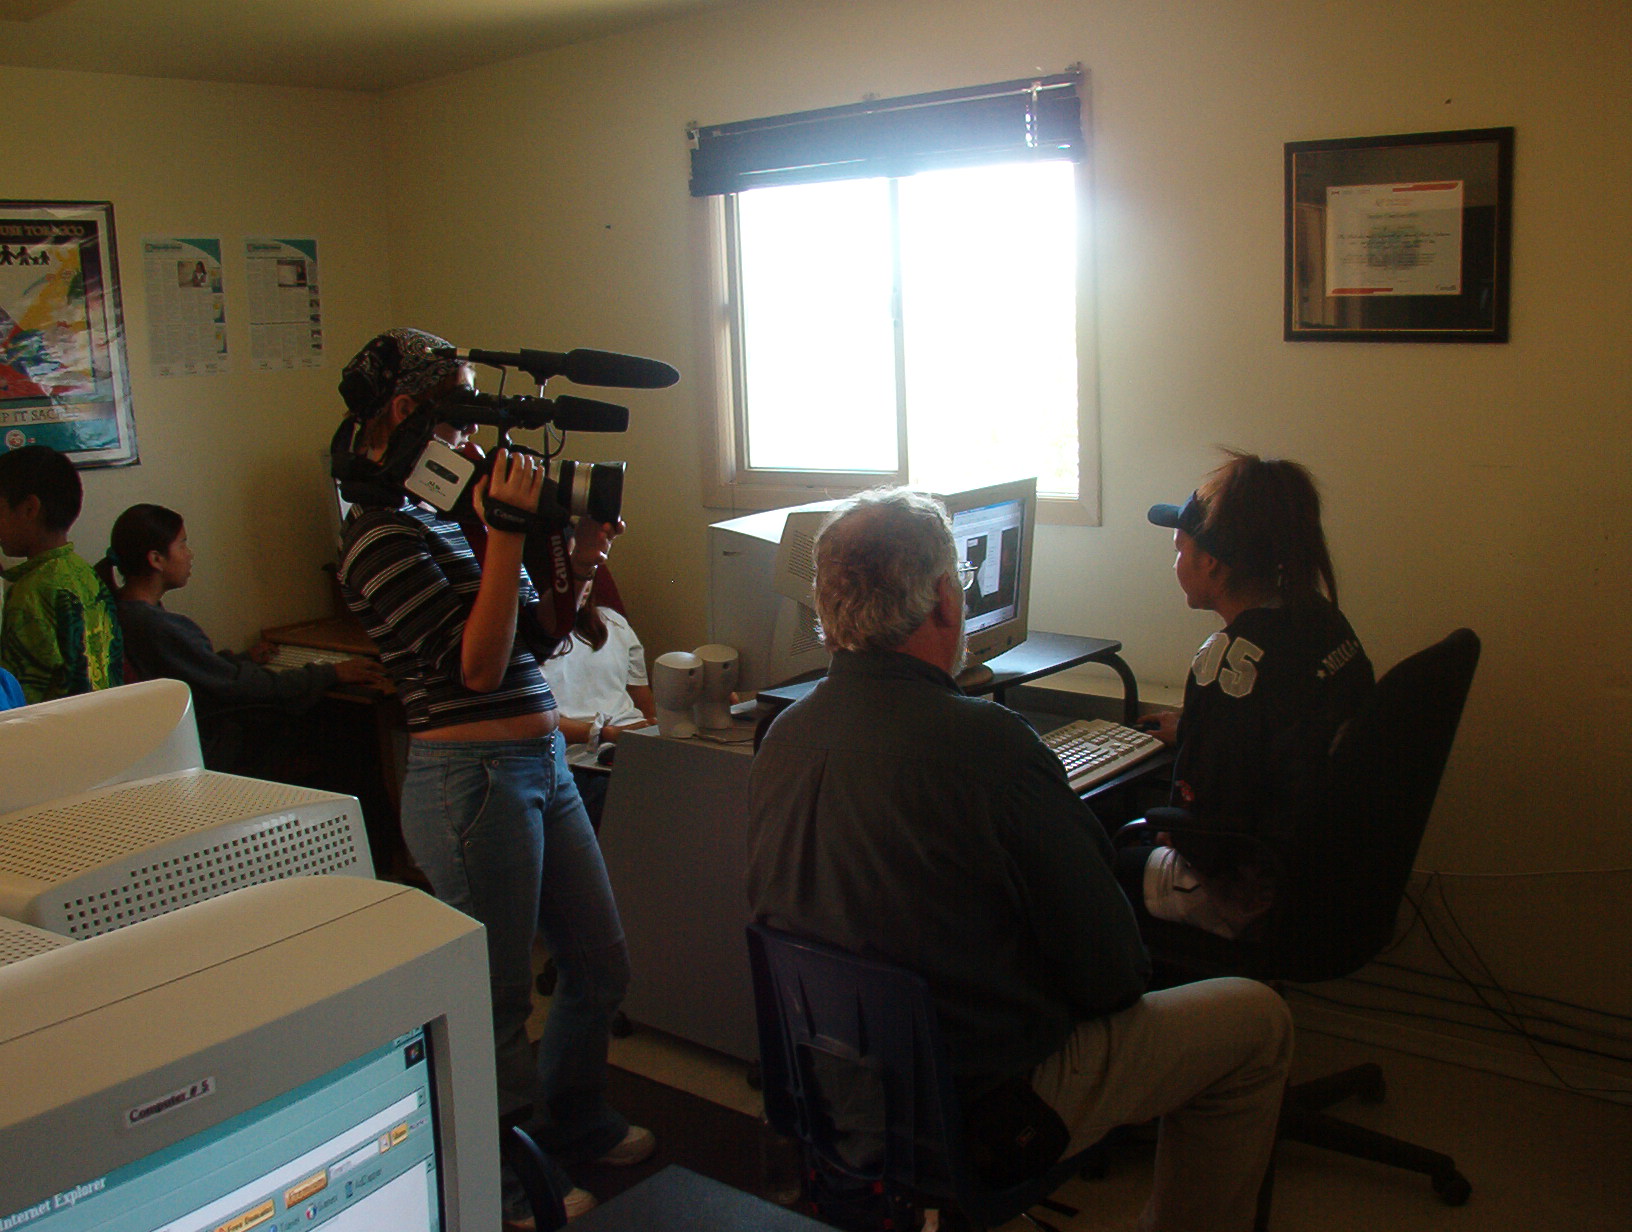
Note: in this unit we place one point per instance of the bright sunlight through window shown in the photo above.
(934, 315)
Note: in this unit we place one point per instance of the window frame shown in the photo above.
(729, 483)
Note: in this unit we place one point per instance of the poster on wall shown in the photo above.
(64, 378)
(186, 309)
(285, 309)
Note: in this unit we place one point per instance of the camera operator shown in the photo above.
(489, 809)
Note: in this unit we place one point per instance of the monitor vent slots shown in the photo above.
(54, 843)
(20, 942)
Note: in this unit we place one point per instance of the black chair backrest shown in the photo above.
(1342, 908)
(850, 1039)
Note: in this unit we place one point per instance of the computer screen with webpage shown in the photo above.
(353, 1151)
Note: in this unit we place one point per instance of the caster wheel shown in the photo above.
(1453, 1190)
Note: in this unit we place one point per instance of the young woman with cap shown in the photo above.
(489, 809)
(1266, 695)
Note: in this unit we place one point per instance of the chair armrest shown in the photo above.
(1166, 819)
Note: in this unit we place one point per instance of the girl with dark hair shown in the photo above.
(1266, 697)
(148, 546)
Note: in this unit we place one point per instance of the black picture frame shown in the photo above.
(1404, 238)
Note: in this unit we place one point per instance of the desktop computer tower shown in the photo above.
(87, 864)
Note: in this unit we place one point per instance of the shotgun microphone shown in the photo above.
(581, 366)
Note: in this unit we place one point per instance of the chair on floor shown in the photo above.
(1341, 907)
(832, 1025)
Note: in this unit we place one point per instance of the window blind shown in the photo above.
(1010, 121)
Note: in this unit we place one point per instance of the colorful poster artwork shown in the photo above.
(64, 380)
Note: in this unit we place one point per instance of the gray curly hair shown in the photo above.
(878, 561)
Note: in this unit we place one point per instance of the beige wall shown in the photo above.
(1475, 485)
(237, 455)
(543, 203)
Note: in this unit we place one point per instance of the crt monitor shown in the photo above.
(994, 529)
(75, 744)
(314, 1053)
(759, 574)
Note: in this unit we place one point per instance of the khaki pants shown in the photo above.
(1210, 1059)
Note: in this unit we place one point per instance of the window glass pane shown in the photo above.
(989, 275)
(818, 338)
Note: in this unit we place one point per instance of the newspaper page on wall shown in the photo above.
(285, 308)
(186, 309)
(64, 378)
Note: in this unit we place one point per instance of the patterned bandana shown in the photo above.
(399, 361)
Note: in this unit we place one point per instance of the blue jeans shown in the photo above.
(499, 829)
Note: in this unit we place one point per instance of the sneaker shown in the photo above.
(637, 1147)
(577, 1202)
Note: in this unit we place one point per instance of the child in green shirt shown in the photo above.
(59, 634)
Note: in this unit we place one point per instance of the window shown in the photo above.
(897, 298)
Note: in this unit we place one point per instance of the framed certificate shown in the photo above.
(1399, 239)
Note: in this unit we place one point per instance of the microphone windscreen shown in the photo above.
(586, 367)
(587, 415)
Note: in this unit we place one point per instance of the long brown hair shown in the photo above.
(1264, 513)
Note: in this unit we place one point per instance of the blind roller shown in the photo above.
(1012, 121)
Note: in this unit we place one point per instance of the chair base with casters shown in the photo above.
(1339, 910)
(837, 1030)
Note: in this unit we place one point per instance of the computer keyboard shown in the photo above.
(1092, 750)
(285, 656)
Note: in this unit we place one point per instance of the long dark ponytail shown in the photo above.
(1267, 510)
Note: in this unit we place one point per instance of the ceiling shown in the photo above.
(338, 44)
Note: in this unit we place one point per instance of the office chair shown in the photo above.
(1341, 907)
(825, 1014)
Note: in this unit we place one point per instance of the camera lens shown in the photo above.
(594, 489)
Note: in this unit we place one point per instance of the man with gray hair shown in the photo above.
(893, 816)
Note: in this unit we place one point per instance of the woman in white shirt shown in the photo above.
(601, 687)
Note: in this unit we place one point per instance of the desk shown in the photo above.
(341, 633)
(1040, 655)
(679, 1200)
(674, 833)
(360, 759)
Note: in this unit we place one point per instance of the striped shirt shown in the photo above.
(411, 578)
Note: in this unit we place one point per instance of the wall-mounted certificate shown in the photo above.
(1399, 239)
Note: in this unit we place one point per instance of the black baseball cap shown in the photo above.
(1191, 518)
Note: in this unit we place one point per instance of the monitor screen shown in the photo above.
(993, 529)
(988, 540)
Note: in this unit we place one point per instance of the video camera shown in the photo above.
(442, 476)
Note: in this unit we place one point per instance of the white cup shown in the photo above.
(719, 679)
(677, 683)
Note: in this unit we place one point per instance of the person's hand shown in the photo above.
(360, 671)
(1163, 724)
(261, 652)
(515, 479)
(611, 732)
